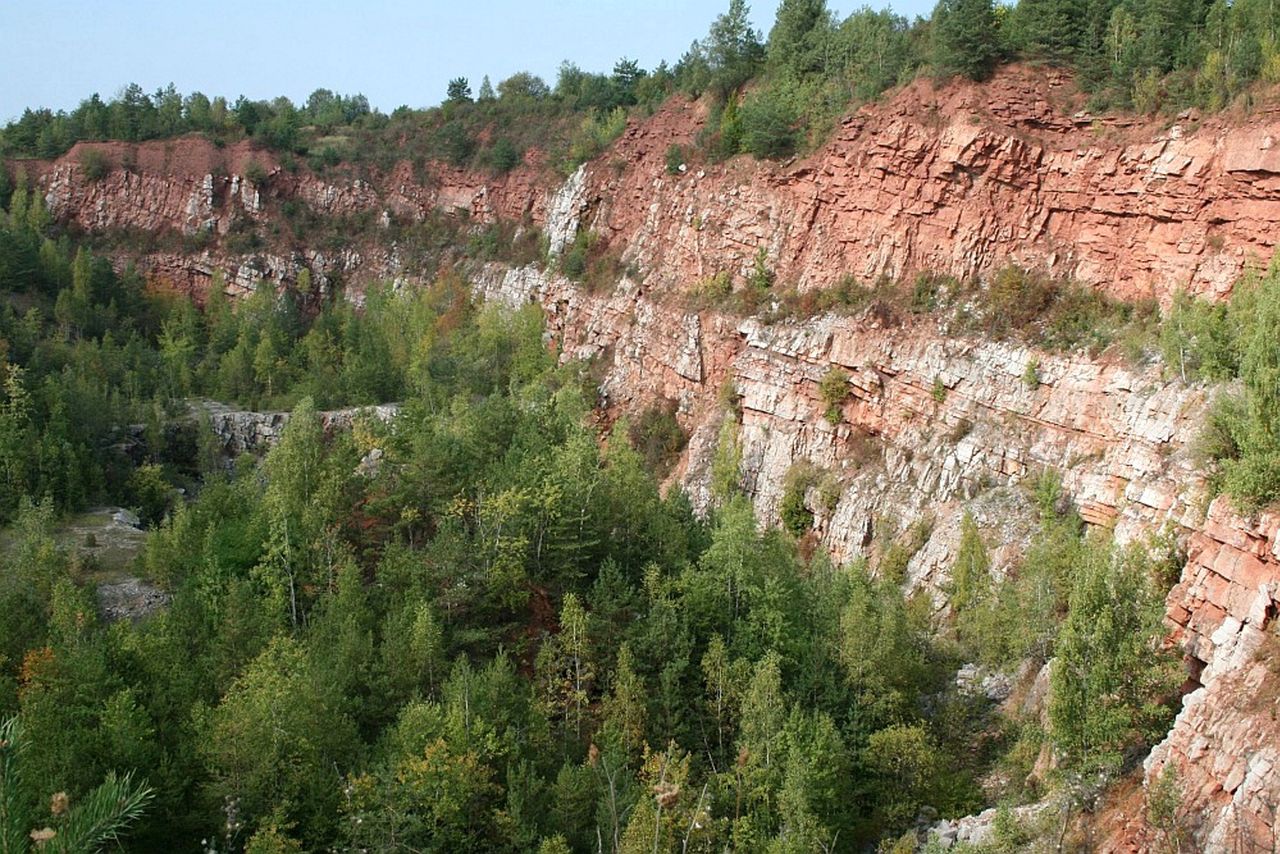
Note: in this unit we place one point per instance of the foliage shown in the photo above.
(1112, 683)
(938, 391)
(94, 163)
(86, 824)
(675, 158)
(657, 435)
(1242, 434)
(965, 35)
(833, 390)
(768, 124)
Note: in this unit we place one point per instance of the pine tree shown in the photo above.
(970, 575)
(965, 37)
(798, 40)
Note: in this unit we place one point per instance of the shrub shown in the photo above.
(255, 173)
(714, 289)
(573, 263)
(769, 125)
(762, 276)
(150, 492)
(503, 156)
(675, 159)
(657, 436)
(1015, 297)
(452, 143)
(926, 293)
(594, 135)
(1243, 433)
(95, 164)
(939, 391)
(834, 391)
(795, 515)
(1031, 373)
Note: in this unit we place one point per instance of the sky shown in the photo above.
(396, 52)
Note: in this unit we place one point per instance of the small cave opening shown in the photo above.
(1195, 667)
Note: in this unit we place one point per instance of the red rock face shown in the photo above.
(963, 180)
(1225, 744)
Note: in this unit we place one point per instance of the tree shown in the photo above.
(523, 86)
(299, 504)
(965, 38)
(1111, 680)
(278, 741)
(459, 91)
(906, 762)
(440, 800)
(88, 824)
(798, 40)
(769, 124)
(1050, 28)
(486, 90)
(624, 707)
(970, 574)
(734, 51)
(1255, 477)
(627, 74)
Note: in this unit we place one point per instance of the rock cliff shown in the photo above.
(960, 179)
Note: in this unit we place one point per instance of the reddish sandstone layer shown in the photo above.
(958, 179)
(1225, 744)
(963, 179)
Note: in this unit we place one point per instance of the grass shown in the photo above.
(108, 548)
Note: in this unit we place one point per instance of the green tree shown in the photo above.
(906, 763)
(87, 824)
(733, 47)
(1111, 681)
(798, 41)
(971, 572)
(965, 38)
(278, 741)
(459, 91)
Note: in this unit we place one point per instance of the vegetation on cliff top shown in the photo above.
(770, 96)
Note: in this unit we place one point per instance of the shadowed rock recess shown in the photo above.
(962, 180)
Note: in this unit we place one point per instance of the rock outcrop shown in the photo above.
(242, 431)
(960, 179)
(1225, 744)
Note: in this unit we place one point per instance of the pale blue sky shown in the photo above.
(56, 52)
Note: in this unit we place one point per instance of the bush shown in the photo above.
(255, 173)
(795, 515)
(769, 124)
(939, 391)
(675, 159)
(657, 436)
(453, 143)
(150, 493)
(95, 164)
(503, 156)
(1243, 432)
(573, 263)
(834, 391)
(1031, 374)
(594, 135)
